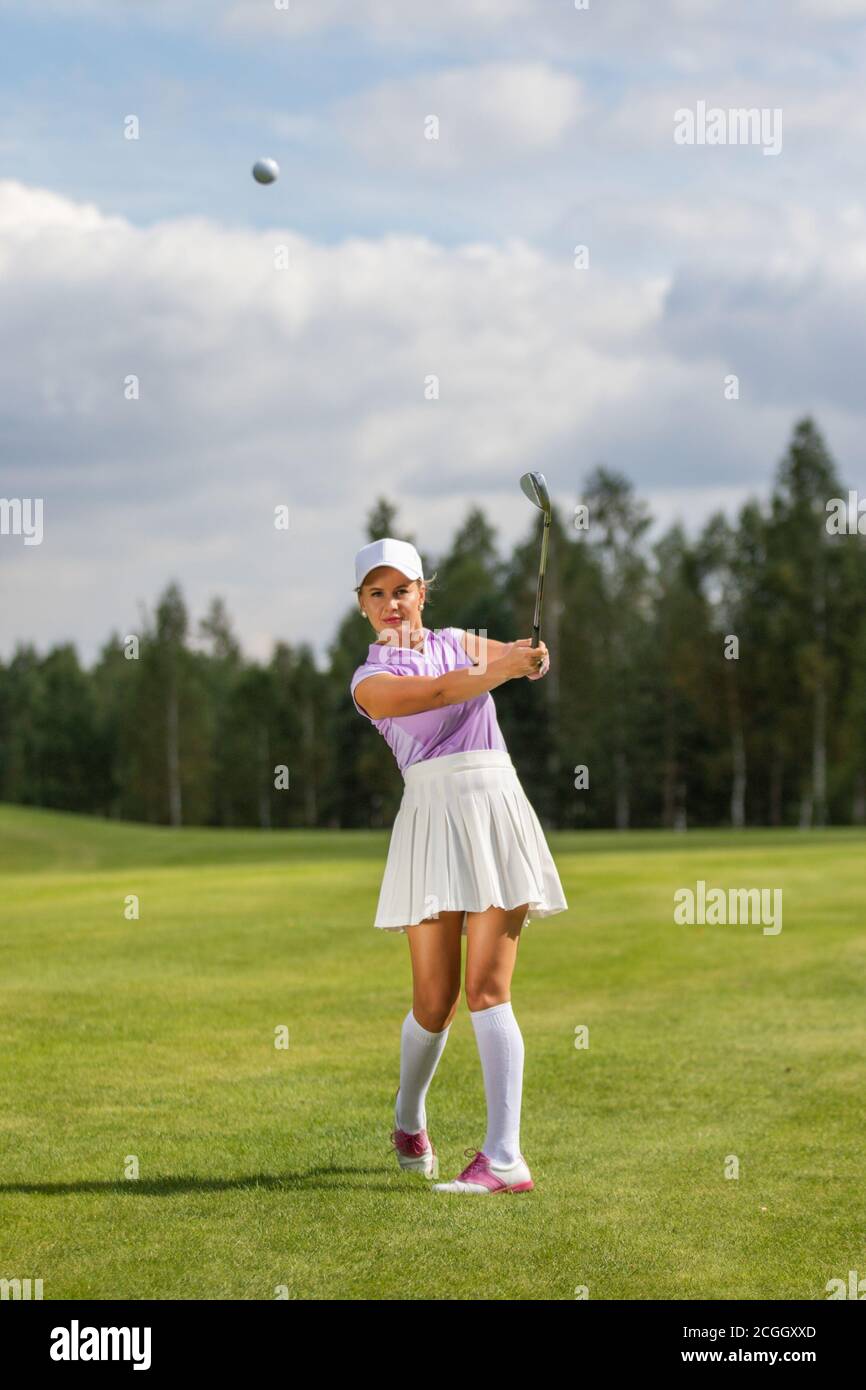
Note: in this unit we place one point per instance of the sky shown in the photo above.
(403, 313)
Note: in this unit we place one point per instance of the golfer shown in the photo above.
(467, 855)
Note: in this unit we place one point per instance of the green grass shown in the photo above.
(261, 1167)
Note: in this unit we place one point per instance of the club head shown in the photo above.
(535, 488)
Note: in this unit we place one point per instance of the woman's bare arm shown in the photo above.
(390, 696)
(480, 648)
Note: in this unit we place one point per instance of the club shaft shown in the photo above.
(539, 593)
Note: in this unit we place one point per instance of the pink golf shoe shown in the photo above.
(481, 1175)
(415, 1152)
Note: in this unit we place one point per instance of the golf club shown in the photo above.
(535, 488)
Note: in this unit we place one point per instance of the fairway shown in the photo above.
(263, 1169)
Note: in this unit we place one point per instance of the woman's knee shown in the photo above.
(435, 1009)
(486, 994)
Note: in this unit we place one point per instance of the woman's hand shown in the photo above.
(542, 670)
(522, 659)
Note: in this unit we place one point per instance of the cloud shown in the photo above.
(234, 356)
(305, 387)
(385, 19)
(260, 387)
(629, 29)
(831, 10)
(494, 113)
(630, 32)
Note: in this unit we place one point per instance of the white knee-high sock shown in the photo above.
(420, 1051)
(500, 1045)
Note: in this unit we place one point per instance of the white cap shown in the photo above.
(400, 555)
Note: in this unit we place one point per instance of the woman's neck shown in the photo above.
(417, 638)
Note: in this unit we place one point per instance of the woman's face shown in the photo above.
(392, 603)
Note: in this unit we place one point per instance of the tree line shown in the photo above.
(719, 681)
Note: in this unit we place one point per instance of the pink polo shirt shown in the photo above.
(414, 738)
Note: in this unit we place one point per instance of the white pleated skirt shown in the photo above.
(466, 838)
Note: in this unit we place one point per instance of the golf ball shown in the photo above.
(265, 170)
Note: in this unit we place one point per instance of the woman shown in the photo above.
(467, 855)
